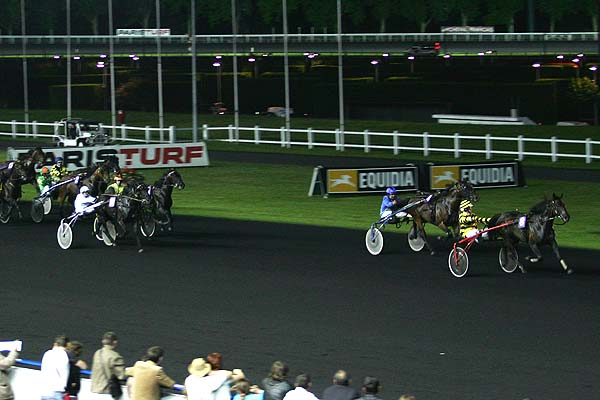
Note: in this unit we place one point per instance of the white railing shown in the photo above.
(487, 145)
(426, 143)
(121, 133)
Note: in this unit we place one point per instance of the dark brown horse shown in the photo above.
(30, 161)
(162, 196)
(11, 176)
(442, 210)
(535, 228)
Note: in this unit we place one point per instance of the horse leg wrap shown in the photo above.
(564, 264)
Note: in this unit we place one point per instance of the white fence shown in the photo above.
(456, 144)
(425, 143)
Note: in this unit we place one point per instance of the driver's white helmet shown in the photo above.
(84, 189)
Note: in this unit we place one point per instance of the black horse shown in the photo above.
(535, 228)
(11, 178)
(125, 213)
(162, 195)
(30, 161)
(442, 210)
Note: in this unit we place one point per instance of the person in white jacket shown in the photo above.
(55, 370)
(83, 199)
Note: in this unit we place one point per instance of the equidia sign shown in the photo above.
(480, 175)
(369, 180)
(130, 156)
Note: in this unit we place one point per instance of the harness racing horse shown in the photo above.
(32, 159)
(535, 228)
(162, 195)
(96, 177)
(126, 209)
(11, 177)
(442, 210)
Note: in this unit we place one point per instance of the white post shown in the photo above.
(256, 134)
(230, 132)
(396, 139)
(282, 135)
(457, 145)
(520, 147)
(13, 125)
(123, 132)
(172, 134)
(554, 148)
(366, 140)
(588, 150)
(147, 131)
(35, 129)
(205, 132)
(310, 138)
(488, 146)
(342, 141)
(425, 144)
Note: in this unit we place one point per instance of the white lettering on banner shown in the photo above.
(375, 180)
(487, 175)
(140, 156)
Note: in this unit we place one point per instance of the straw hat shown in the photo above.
(199, 367)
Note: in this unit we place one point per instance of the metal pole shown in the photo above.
(25, 77)
(111, 44)
(161, 117)
(286, 68)
(236, 111)
(69, 59)
(530, 16)
(340, 65)
(194, 82)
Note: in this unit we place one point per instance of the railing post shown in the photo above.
(588, 150)
(309, 138)
(366, 140)
(205, 132)
(342, 140)
(230, 133)
(425, 144)
(161, 135)
(456, 145)
(520, 147)
(288, 137)
(147, 133)
(396, 139)
(337, 140)
(282, 135)
(13, 126)
(172, 137)
(256, 134)
(553, 148)
(34, 129)
(488, 146)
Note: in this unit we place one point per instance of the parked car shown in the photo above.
(424, 50)
(78, 132)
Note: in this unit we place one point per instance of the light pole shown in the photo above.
(594, 69)
(217, 64)
(111, 60)
(575, 62)
(194, 81)
(161, 117)
(340, 65)
(25, 77)
(411, 60)
(536, 67)
(69, 59)
(375, 64)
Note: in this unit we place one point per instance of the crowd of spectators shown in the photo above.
(62, 365)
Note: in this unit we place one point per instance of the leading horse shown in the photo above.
(442, 210)
(535, 228)
(163, 200)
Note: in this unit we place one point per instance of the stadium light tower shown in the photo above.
(25, 77)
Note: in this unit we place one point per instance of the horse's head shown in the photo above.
(17, 172)
(557, 208)
(173, 178)
(38, 156)
(466, 190)
(111, 163)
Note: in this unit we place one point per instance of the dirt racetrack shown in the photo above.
(313, 297)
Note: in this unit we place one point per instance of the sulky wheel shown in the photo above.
(374, 241)
(415, 241)
(458, 262)
(37, 210)
(64, 235)
(508, 259)
(109, 233)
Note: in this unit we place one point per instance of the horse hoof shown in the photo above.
(523, 270)
(569, 271)
(432, 253)
(140, 250)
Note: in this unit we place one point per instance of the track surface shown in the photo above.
(315, 298)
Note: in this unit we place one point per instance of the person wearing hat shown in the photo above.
(148, 376)
(469, 222)
(107, 362)
(391, 203)
(58, 170)
(117, 187)
(44, 180)
(83, 199)
(206, 383)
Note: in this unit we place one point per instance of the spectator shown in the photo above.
(148, 376)
(370, 389)
(6, 392)
(302, 384)
(207, 381)
(242, 390)
(407, 397)
(55, 370)
(76, 364)
(106, 363)
(276, 384)
(340, 390)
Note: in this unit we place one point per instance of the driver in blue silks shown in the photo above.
(391, 203)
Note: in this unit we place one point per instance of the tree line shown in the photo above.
(90, 17)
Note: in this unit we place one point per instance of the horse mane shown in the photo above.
(539, 208)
